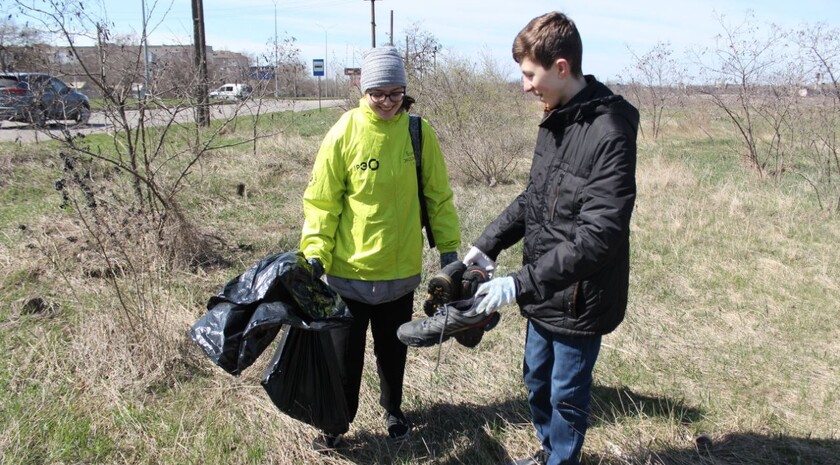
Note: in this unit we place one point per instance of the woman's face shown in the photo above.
(385, 101)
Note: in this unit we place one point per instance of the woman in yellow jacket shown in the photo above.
(362, 227)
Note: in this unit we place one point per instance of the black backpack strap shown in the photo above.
(417, 144)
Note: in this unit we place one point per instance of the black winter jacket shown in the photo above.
(575, 216)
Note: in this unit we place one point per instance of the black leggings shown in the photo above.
(390, 353)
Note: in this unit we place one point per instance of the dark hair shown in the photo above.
(407, 102)
(549, 37)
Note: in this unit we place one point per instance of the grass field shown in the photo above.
(729, 353)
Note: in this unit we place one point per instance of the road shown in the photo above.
(99, 121)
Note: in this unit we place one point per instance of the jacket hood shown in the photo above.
(594, 100)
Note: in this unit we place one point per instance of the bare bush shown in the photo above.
(463, 100)
(779, 89)
(126, 194)
(656, 82)
(819, 46)
(740, 66)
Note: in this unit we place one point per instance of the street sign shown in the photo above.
(352, 71)
(318, 67)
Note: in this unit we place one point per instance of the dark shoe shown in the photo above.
(444, 287)
(398, 425)
(540, 458)
(473, 277)
(449, 320)
(470, 338)
(326, 443)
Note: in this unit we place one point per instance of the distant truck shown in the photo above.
(232, 92)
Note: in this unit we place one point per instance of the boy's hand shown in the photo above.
(497, 293)
(477, 257)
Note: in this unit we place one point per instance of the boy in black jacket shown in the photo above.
(574, 217)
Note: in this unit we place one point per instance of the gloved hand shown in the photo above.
(447, 258)
(497, 293)
(317, 267)
(477, 257)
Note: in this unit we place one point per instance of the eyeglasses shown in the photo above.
(379, 97)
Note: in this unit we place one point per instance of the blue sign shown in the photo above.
(318, 67)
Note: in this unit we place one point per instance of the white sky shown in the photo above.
(464, 28)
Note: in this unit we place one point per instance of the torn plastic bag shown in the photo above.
(245, 316)
(305, 380)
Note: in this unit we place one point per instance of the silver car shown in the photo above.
(37, 97)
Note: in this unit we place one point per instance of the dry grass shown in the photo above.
(728, 355)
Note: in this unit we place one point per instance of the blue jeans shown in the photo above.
(558, 373)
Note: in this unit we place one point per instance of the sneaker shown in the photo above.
(325, 443)
(398, 425)
(473, 277)
(450, 319)
(444, 287)
(540, 458)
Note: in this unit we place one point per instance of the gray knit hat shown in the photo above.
(382, 67)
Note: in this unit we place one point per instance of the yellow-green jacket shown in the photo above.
(361, 209)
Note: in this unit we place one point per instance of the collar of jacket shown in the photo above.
(371, 115)
(593, 99)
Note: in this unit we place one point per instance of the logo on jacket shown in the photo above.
(372, 164)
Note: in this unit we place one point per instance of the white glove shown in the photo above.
(497, 292)
(479, 258)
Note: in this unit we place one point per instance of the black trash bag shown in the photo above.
(219, 333)
(274, 314)
(245, 316)
(305, 380)
(287, 277)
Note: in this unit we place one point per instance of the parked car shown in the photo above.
(38, 97)
(232, 92)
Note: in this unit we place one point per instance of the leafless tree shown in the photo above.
(461, 100)
(127, 192)
(421, 50)
(22, 48)
(289, 69)
(819, 46)
(741, 66)
(656, 81)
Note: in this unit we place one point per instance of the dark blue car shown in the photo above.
(38, 97)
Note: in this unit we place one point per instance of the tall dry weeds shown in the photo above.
(483, 123)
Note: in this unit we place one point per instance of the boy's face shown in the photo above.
(547, 84)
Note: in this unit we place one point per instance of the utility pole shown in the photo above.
(391, 35)
(372, 23)
(145, 54)
(276, 59)
(203, 109)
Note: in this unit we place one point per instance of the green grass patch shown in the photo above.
(728, 334)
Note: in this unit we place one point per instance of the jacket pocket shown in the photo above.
(586, 298)
(556, 192)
